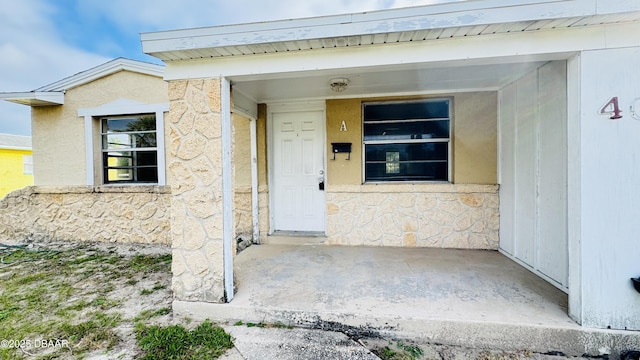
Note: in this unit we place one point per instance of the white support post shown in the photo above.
(254, 181)
(227, 189)
(88, 152)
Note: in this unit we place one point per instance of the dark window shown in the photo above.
(129, 150)
(407, 141)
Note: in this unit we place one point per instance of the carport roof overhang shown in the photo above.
(479, 36)
(423, 23)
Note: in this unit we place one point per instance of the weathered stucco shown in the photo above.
(12, 174)
(58, 131)
(123, 214)
(474, 137)
(194, 160)
(414, 215)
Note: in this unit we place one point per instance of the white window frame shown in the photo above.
(122, 107)
(27, 164)
(448, 140)
(133, 149)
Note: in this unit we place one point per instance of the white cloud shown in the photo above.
(33, 50)
(152, 15)
(32, 54)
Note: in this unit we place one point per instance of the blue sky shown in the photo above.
(43, 41)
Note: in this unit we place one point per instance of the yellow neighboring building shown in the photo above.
(16, 163)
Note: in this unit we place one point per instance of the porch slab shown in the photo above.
(472, 298)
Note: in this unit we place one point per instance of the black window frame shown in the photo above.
(143, 168)
(407, 140)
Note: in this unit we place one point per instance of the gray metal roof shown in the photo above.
(415, 24)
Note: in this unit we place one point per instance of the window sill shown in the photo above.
(132, 188)
(417, 187)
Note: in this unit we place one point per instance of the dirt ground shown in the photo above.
(86, 283)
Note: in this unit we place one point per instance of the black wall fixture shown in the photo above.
(341, 148)
(636, 283)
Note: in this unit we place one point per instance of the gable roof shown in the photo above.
(421, 23)
(53, 94)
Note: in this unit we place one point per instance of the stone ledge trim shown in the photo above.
(81, 189)
(413, 188)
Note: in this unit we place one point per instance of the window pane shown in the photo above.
(402, 162)
(27, 162)
(143, 123)
(408, 152)
(130, 166)
(124, 141)
(398, 130)
(425, 109)
(408, 172)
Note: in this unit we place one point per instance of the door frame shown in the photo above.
(283, 107)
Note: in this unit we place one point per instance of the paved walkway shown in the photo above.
(254, 343)
(468, 298)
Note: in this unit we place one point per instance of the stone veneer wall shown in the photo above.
(123, 214)
(418, 215)
(194, 160)
(244, 216)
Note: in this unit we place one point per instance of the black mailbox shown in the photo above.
(341, 148)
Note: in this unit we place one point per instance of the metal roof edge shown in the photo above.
(108, 68)
(15, 142)
(34, 98)
(468, 13)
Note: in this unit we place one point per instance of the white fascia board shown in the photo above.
(123, 107)
(103, 70)
(469, 13)
(538, 45)
(15, 148)
(15, 142)
(34, 98)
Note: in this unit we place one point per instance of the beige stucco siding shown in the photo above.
(475, 142)
(474, 124)
(58, 132)
(242, 172)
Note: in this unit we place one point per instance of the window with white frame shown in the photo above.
(129, 149)
(27, 164)
(407, 140)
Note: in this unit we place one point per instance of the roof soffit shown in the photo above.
(388, 26)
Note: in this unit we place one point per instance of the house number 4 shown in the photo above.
(612, 107)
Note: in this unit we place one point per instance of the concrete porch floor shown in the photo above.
(470, 298)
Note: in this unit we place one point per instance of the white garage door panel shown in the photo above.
(552, 181)
(533, 172)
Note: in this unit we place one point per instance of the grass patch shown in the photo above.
(69, 294)
(399, 351)
(206, 341)
(150, 263)
(155, 288)
(148, 314)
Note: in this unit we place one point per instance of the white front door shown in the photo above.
(298, 202)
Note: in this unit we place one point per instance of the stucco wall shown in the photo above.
(58, 131)
(132, 214)
(242, 173)
(604, 174)
(12, 176)
(474, 136)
